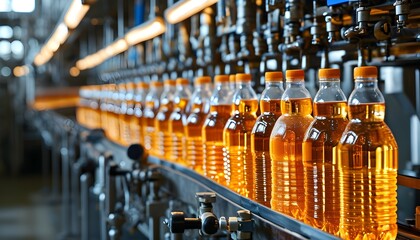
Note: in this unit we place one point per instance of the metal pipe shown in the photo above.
(85, 181)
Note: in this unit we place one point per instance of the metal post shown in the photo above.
(85, 180)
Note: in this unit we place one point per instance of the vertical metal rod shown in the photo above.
(75, 198)
(55, 169)
(84, 202)
(65, 183)
(418, 91)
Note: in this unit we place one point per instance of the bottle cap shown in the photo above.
(274, 77)
(129, 86)
(222, 78)
(182, 81)
(121, 85)
(328, 73)
(202, 80)
(232, 78)
(142, 85)
(295, 75)
(169, 82)
(156, 84)
(366, 72)
(243, 77)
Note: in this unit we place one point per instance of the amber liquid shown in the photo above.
(194, 143)
(237, 151)
(176, 127)
(212, 135)
(104, 119)
(367, 163)
(148, 125)
(136, 120)
(124, 129)
(114, 126)
(322, 193)
(163, 136)
(260, 148)
(286, 154)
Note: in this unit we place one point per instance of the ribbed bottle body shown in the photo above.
(368, 164)
(286, 154)
(194, 142)
(212, 134)
(322, 192)
(163, 140)
(176, 127)
(237, 152)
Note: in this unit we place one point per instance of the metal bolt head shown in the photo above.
(244, 214)
(206, 197)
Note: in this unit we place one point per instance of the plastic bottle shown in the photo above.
(94, 105)
(212, 132)
(136, 132)
(162, 135)
(81, 110)
(149, 114)
(178, 119)
(368, 164)
(113, 111)
(270, 102)
(287, 192)
(322, 193)
(127, 111)
(103, 106)
(237, 137)
(200, 107)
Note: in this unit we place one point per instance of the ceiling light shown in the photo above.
(185, 9)
(145, 31)
(75, 14)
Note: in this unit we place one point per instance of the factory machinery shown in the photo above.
(110, 191)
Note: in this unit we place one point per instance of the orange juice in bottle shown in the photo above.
(212, 132)
(287, 187)
(162, 135)
(178, 119)
(81, 110)
(367, 164)
(113, 112)
(126, 109)
(103, 105)
(237, 137)
(136, 132)
(149, 114)
(319, 156)
(96, 106)
(270, 102)
(200, 107)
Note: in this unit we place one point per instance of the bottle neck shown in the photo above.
(273, 84)
(366, 83)
(241, 85)
(295, 84)
(329, 83)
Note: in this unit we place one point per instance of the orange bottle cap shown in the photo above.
(130, 85)
(169, 82)
(202, 80)
(221, 78)
(243, 77)
(182, 81)
(274, 77)
(156, 84)
(232, 78)
(328, 73)
(295, 75)
(366, 72)
(142, 85)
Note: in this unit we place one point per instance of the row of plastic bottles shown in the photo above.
(334, 169)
